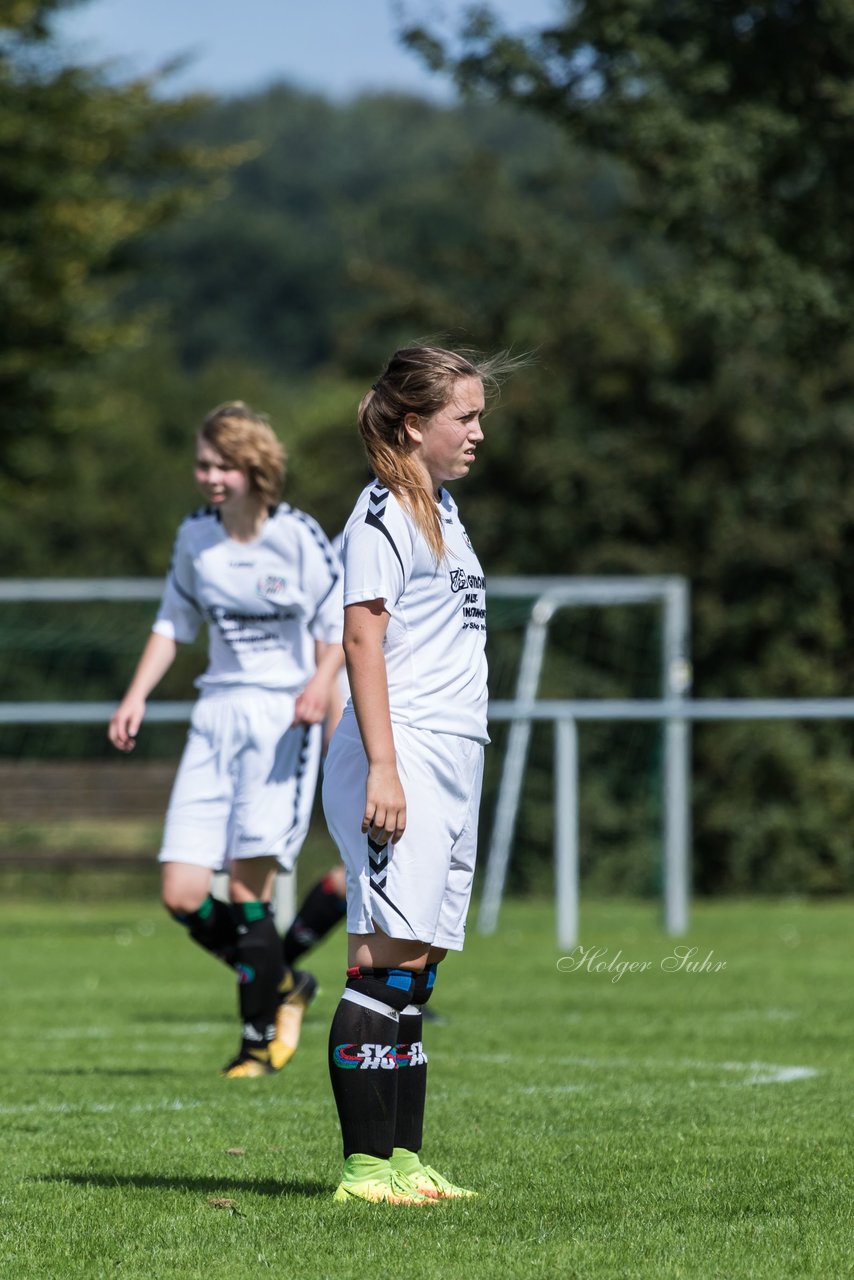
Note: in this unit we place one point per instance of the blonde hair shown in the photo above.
(419, 380)
(247, 441)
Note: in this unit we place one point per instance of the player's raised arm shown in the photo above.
(157, 657)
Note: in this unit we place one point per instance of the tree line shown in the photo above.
(651, 199)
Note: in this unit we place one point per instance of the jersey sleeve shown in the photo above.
(378, 549)
(180, 615)
(324, 582)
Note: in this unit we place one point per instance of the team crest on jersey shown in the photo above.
(271, 585)
(462, 581)
(467, 540)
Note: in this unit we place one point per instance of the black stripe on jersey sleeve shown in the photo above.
(325, 547)
(375, 523)
(320, 538)
(201, 513)
(185, 595)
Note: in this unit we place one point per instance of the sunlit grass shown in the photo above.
(661, 1122)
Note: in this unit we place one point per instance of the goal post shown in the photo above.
(548, 596)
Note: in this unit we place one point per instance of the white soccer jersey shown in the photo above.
(434, 645)
(265, 602)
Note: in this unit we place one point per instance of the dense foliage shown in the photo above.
(86, 168)
(723, 424)
(651, 198)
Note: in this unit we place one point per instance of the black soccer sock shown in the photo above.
(212, 927)
(362, 1061)
(321, 909)
(258, 962)
(412, 1065)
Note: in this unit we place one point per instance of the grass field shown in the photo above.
(663, 1123)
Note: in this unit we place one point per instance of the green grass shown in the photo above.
(115, 836)
(655, 1126)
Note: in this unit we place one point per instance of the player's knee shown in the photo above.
(181, 903)
(393, 987)
(422, 988)
(184, 888)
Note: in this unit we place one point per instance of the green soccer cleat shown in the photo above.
(373, 1180)
(421, 1177)
(289, 1015)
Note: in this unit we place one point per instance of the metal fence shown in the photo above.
(676, 714)
(547, 595)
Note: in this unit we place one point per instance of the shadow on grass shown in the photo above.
(165, 1018)
(102, 1071)
(210, 1186)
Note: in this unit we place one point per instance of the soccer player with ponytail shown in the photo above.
(403, 773)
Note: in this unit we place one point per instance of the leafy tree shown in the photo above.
(351, 227)
(715, 435)
(86, 167)
(663, 224)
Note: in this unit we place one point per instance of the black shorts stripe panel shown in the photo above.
(378, 863)
(302, 764)
(387, 900)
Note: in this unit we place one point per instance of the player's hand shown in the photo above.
(125, 723)
(312, 704)
(385, 805)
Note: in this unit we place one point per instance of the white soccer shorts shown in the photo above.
(418, 889)
(245, 785)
